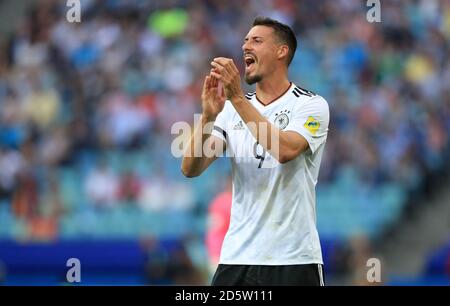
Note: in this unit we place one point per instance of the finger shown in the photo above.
(206, 83)
(221, 91)
(217, 64)
(214, 82)
(226, 63)
(222, 60)
(234, 67)
(220, 69)
(217, 75)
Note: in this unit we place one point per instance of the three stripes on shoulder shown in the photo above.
(298, 91)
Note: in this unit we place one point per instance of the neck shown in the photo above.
(271, 88)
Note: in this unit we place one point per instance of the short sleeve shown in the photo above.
(310, 119)
(220, 125)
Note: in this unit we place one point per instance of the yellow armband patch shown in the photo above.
(312, 125)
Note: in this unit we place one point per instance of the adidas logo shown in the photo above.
(239, 126)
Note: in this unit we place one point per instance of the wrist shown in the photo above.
(208, 118)
(238, 98)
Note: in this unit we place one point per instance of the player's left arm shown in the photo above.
(283, 145)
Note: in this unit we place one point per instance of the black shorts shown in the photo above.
(254, 275)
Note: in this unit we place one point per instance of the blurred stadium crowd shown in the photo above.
(86, 111)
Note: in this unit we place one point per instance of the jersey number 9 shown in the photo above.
(261, 156)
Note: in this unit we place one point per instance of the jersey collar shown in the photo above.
(280, 97)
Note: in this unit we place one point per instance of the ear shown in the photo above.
(282, 51)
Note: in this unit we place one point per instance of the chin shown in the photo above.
(252, 79)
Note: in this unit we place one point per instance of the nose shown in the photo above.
(246, 47)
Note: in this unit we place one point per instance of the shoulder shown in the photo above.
(306, 100)
(318, 101)
(302, 93)
(306, 95)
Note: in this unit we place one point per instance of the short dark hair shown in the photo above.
(284, 33)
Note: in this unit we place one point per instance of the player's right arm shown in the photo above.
(195, 161)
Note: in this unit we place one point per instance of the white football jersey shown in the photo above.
(273, 215)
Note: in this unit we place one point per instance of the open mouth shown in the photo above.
(249, 61)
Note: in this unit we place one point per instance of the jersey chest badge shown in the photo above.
(282, 119)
